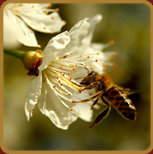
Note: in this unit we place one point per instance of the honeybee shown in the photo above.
(110, 94)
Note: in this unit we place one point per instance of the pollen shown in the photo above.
(54, 86)
(73, 101)
(49, 5)
(97, 53)
(70, 77)
(70, 65)
(91, 67)
(113, 65)
(74, 71)
(52, 18)
(80, 90)
(62, 89)
(71, 109)
(111, 42)
(44, 28)
(57, 9)
(96, 60)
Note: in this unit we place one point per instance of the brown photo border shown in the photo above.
(150, 149)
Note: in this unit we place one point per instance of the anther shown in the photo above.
(49, 5)
(80, 90)
(62, 89)
(54, 86)
(111, 42)
(32, 6)
(91, 67)
(71, 109)
(85, 64)
(42, 8)
(62, 65)
(52, 18)
(61, 84)
(44, 28)
(63, 74)
(73, 101)
(68, 72)
(88, 57)
(96, 60)
(57, 9)
(113, 65)
(70, 65)
(20, 3)
(74, 71)
(47, 12)
(97, 53)
(70, 77)
(58, 68)
(69, 94)
(76, 65)
(80, 55)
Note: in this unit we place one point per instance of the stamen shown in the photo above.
(42, 8)
(20, 4)
(69, 94)
(47, 12)
(97, 53)
(74, 71)
(52, 18)
(70, 65)
(32, 6)
(44, 28)
(113, 65)
(111, 42)
(54, 86)
(76, 65)
(85, 64)
(73, 101)
(71, 109)
(88, 57)
(91, 67)
(57, 9)
(68, 72)
(62, 89)
(80, 55)
(49, 5)
(96, 60)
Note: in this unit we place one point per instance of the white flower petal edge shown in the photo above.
(34, 15)
(33, 94)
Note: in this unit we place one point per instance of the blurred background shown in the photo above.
(129, 26)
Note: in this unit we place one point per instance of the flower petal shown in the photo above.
(93, 22)
(33, 93)
(44, 23)
(56, 44)
(25, 35)
(58, 113)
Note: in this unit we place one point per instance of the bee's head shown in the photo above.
(89, 78)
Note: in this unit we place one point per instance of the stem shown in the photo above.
(15, 53)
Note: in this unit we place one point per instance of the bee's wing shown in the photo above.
(127, 91)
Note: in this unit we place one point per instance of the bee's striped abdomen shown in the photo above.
(121, 102)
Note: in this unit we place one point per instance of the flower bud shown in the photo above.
(31, 57)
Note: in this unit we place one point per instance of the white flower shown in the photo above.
(65, 58)
(34, 15)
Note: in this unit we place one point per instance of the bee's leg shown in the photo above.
(95, 102)
(89, 99)
(102, 115)
(92, 85)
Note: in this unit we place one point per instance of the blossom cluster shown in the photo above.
(61, 65)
